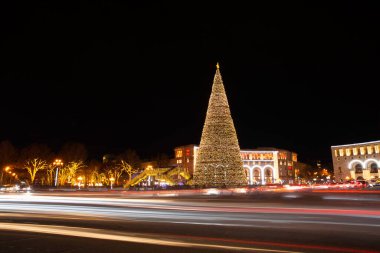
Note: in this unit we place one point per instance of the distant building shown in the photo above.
(185, 157)
(263, 165)
(356, 161)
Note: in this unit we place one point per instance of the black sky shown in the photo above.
(299, 75)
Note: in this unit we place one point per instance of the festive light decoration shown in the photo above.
(218, 162)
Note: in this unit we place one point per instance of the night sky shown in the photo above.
(115, 75)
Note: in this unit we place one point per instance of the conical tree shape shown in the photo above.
(218, 162)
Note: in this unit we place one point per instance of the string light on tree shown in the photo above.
(218, 161)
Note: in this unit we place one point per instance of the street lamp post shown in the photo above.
(112, 179)
(57, 163)
(80, 180)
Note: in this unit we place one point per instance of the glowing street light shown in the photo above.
(57, 163)
(112, 179)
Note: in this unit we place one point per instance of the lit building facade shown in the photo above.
(262, 166)
(360, 161)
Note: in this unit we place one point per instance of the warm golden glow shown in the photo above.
(179, 153)
(362, 150)
(336, 153)
(58, 162)
(348, 151)
(218, 160)
(370, 150)
(355, 151)
(341, 152)
(33, 166)
(256, 155)
(377, 149)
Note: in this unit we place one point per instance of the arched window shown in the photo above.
(358, 168)
(268, 176)
(256, 175)
(374, 168)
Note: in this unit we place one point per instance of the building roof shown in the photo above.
(355, 144)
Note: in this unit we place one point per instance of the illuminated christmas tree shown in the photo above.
(218, 162)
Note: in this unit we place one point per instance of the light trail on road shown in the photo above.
(91, 217)
(106, 235)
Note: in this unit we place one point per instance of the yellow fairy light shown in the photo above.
(218, 161)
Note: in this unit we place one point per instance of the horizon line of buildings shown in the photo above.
(266, 165)
(261, 165)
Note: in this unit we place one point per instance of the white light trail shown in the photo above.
(107, 235)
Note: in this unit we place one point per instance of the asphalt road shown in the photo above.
(120, 222)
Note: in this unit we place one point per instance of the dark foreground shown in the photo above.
(264, 222)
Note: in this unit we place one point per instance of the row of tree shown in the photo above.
(36, 165)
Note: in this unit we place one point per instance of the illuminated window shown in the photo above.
(370, 150)
(355, 151)
(341, 153)
(187, 160)
(179, 161)
(179, 153)
(348, 152)
(377, 149)
(336, 153)
(362, 150)
(294, 157)
(280, 162)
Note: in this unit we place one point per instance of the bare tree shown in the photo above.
(50, 175)
(69, 171)
(91, 171)
(131, 157)
(97, 177)
(33, 166)
(124, 166)
(34, 158)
